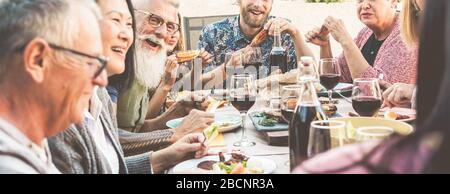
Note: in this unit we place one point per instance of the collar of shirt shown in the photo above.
(42, 152)
(95, 105)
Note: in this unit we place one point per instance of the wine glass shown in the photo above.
(289, 98)
(330, 74)
(325, 135)
(372, 133)
(306, 70)
(366, 97)
(253, 61)
(243, 97)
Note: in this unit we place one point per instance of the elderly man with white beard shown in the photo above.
(156, 22)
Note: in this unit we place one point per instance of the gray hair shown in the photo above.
(23, 20)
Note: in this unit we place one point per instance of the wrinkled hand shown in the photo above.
(170, 73)
(399, 95)
(315, 37)
(337, 29)
(206, 58)
(187, 147)
(195, 122)
(285, 26)
(193, 100)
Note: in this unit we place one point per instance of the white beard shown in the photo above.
(149, 66)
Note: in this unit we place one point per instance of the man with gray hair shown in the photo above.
(156, 22)
(42, 49)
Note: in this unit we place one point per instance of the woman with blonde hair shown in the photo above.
(410, 21)
(401, 94)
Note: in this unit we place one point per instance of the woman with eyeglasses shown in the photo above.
(377, 50)
(401, 94)
(175, 44)
(97, 146)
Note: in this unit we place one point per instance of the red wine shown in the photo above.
(243, 102)
(287, 114)
(329, 81)
(299, 128)
(278, 59)
(366, 106)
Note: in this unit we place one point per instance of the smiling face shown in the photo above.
(152, 38)
(375, 12)
(173, 40)
(117, 33)
(255, 12)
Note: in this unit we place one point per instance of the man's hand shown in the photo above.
(399, 95)
(195, 122)
(285, 26)
(188, 147)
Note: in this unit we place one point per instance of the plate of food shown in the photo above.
(265, 121)
(225, 122)
(343, 88)
(397, 114)
(234, 163)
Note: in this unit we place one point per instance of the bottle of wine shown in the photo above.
(308, 110)
(278, 54)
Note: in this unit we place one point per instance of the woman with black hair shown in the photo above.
(94, 147)
(427, 150)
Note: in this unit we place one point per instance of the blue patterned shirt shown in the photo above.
(225, 36)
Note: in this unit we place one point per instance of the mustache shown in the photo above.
(154, 39)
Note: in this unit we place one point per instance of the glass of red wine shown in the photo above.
(243, 97)
(366, 97)
(289, 98)
(330, 74)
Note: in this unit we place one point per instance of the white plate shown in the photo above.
(234, 120)
(411, 113)
(268, 166)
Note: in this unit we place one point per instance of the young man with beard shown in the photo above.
(156, 22)
(236, 33)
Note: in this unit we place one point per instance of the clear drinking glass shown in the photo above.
(243, 96)
(325, 135)
(372, 133)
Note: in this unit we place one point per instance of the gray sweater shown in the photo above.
(17, 155)
(74, 150)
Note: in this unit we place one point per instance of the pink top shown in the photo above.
(345, 160)
(395, 60)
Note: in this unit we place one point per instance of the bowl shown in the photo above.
(353, 123)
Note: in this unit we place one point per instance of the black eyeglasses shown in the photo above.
(100, 61)
(157, 21)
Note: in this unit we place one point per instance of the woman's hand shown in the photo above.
(170, 73)
(399, 95)
(206, 58)
(338, 30)
(317, 37)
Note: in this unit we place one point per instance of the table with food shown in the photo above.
(267, 128)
